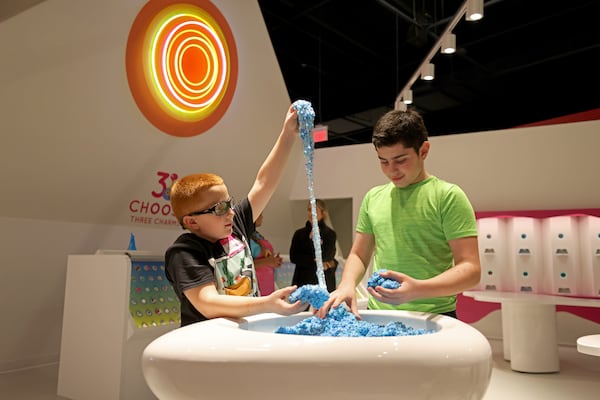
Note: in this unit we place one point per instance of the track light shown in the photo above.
(399, 104)
(449, 43)
(407, 96)
(427, 72)
(474, 10)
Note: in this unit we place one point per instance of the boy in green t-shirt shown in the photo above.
(419, 228)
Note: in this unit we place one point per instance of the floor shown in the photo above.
(579, 379)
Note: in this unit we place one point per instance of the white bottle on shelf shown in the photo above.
(561, 255)
(493, 254)
(525, 254)
(589, 239)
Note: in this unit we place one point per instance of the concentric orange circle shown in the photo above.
(181, 65)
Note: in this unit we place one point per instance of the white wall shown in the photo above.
(76, 151)
(537, 168)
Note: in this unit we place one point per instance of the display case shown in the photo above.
(493, 254)
(561, 250)
(589, 234)
(525, 254)
(116, 303)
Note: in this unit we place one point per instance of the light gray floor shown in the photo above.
(579, 379)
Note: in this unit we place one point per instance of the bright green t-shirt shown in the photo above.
(412, 227)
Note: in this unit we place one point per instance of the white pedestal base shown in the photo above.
(533, 341)
(529, 327)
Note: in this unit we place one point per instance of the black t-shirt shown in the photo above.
(191, 261)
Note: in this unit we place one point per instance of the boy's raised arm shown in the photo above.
(270, 172)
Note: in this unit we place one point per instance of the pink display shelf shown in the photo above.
(470, 310)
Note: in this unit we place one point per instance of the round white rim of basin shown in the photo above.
(252, 339)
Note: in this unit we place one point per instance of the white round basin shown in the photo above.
(226, 359)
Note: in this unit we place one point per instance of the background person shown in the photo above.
(265, 260)
(302, 250)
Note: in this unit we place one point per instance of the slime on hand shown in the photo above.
(315, 295)
(339, 322)
(378, 280)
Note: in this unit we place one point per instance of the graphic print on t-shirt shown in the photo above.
(235, 270)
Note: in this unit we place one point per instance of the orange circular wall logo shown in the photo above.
(181, 65)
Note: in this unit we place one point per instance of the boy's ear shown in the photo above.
(425, 149)
(188, 221)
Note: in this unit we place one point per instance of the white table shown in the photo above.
(529, 327)
(589, 345)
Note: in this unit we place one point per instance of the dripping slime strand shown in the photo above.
(306, 118)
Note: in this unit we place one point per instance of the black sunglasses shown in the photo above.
(219, 209)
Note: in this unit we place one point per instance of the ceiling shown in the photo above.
(524, 62)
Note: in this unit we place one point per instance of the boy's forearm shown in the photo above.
(354, 270)
(457, 279)
(272, 168)
(235, 306)
(271, 171)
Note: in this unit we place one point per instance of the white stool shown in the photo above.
(589, 345)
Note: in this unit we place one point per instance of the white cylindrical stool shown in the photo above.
(589, 345)
(506, 328)
(533, 338)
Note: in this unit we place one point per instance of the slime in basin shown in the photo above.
(340, 321)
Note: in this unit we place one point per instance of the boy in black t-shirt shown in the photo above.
(211, 267)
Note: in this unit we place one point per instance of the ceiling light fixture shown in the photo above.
(474, 10)
(449, 43)
(399, 104)
(428, 72)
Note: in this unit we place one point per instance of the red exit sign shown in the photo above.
(320, 133)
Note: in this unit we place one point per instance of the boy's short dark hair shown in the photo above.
(186, 193)
(405, 127)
